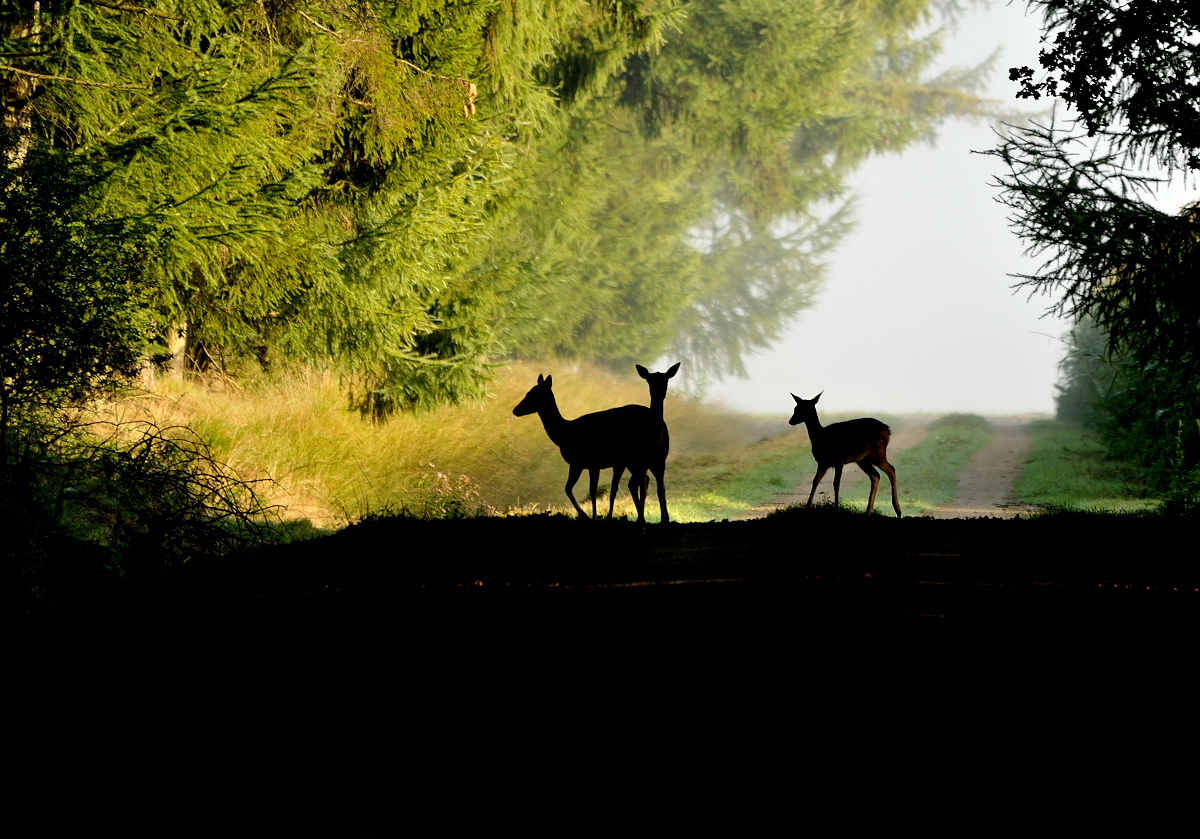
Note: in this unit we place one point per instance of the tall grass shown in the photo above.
(1069, 468)
(332, 467)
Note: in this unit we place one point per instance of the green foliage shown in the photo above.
(1144, 413)
(1070, 468)
(1129, 68)
(73, 281)
(406, 191)
(1122, 269)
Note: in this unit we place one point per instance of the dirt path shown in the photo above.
(985, 484)
(906, 434)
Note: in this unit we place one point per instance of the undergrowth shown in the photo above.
(1069, 469)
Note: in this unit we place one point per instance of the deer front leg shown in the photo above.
(664, 516)
(593, 482)
(637, 488)
(618, 471)
(572, 477)
(821, 470)
(837, 484)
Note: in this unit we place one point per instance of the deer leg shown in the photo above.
(637, 484)
(890, 471)
(837, 484)
(593, 482)
(874, 476)
(665, 517)
(821, 470)
(572, 477)
(618, 471)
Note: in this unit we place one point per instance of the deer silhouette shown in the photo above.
(656, 446)
(617, 438)
(862, 441)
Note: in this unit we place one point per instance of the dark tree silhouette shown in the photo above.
(1130, 70)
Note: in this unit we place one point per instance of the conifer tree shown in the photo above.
(411, 190)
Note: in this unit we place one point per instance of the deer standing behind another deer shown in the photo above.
(632, 436)
(862, 441)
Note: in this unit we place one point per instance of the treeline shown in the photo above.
(1127, 272)
(410, 191)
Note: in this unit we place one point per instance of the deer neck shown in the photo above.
(656, 410)
(557, 428)
(815, 429)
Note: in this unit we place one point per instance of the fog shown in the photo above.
(918, 313)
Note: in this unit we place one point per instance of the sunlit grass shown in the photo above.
(1068, 469)
(732, 483)
(332, 467)
(927, 473)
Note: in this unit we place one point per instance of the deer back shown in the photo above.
(618, 436)
(851, 441)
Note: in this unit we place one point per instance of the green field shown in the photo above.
(1068, 469)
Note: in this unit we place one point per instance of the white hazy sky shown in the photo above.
(917, 312)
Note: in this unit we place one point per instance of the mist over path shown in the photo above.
(985, 484)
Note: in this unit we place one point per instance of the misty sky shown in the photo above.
(918, 313)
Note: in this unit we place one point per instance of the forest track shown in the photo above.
(985, 483)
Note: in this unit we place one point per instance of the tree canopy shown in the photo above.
(1082, 198)
(413, 190)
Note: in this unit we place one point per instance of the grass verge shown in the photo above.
(732, 483)
(1068, 469)
(927, 473)
(332, 468)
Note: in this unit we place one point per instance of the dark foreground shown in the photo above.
(460, 649)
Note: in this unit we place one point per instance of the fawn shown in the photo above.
(862, 441)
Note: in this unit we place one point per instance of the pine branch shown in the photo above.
(121, 7)
(83, 82)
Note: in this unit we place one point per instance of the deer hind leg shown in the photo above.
(873, 474)
(572, 477)
(821, 470)
(618, 471)
(661, 469)
(890, 471)
(593, 482)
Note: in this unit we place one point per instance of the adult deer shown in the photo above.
(654, 453)
(619, 438)
(862, 441)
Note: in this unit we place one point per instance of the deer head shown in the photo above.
(806, 409)
(658, 381)
(539, 396)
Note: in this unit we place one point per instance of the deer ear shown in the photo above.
(673, 370)
(818, 396)
(797, 398)
(642, 371)
(540, 379)
(549, 381)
